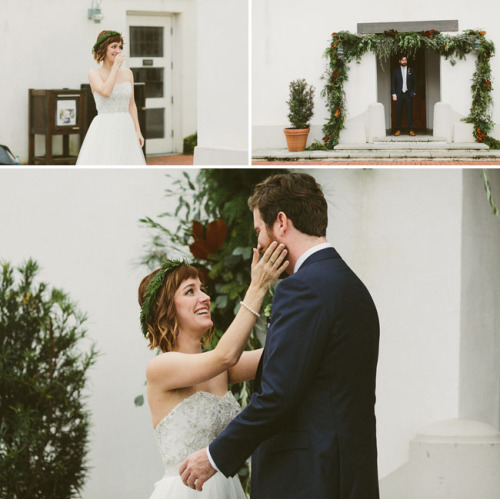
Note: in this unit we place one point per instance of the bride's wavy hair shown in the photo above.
(104, 39)
(163, 327)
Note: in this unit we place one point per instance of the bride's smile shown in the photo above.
(187, 386)
(192, 307)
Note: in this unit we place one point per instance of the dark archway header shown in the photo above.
(401, 27)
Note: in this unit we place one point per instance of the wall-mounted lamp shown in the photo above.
(95, 13)
(340, 51)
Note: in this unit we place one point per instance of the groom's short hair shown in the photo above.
(298, 195)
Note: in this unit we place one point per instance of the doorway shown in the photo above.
(417, 64)
(151, 61)
(427, 64)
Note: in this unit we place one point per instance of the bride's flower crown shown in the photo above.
(105, 37)
(152, 289)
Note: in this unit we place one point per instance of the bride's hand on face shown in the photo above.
(119, 59)
(266, 270)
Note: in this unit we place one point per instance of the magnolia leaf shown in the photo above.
(216, 234)
(246, 253)
(230, 261)
(221, 301)
(197, 230)
(200, 249)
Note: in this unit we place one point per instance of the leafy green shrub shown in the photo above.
(43, 423)
(190, 142)
(300, 103)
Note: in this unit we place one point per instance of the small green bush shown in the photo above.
(190, 142)
(300, 103)
(44, 425)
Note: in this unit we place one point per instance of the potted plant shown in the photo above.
(301, 105)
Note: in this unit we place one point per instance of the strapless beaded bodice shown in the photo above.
(117, 102)
(192, 425)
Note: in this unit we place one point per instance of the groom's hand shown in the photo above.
(196, 470)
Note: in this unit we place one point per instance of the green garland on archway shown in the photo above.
(346, 47)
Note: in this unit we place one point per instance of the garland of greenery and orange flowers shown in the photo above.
(346, 47)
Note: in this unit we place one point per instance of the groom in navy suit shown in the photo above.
(404, 88)
(310, 426)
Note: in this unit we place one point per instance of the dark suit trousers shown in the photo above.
(405, 100)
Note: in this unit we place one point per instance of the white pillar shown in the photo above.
(443, 125)
(376, 121)
(455, 459)
(222, 40)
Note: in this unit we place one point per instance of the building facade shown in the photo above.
(290, 38)
(195, 80)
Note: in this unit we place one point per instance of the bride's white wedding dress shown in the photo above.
(111, 138)
(189, 427)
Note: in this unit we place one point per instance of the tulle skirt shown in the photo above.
(218, 487)
(111, 140)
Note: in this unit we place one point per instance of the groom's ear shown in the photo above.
(282, 223)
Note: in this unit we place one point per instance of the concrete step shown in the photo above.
(406, 138)
(409, 154)
(379, 154)
(414, 145)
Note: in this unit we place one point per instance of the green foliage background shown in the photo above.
(44, 425)
(214, 194)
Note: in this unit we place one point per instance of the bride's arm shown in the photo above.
(246, 367)
(105, 87)
(132, 108)
(173, 370)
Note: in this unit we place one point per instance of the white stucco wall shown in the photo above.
(289, 38)
(361, 88)
(455, 83)
(48, 45)
(223, 82)
(423, 242)
(480, 314)
(82, 227)
(401, 232)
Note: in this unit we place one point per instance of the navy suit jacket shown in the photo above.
(397, 81)
(310, 426)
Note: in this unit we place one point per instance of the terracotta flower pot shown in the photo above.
(296, 138)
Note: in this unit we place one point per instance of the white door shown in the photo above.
(149, 44)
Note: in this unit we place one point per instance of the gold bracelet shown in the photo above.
(250, 309)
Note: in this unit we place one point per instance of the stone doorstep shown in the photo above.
(466, 146)
(417, 154)
(406, 138)
(283, 154)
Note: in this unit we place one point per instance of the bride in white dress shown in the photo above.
(114, 136)
(187, 390)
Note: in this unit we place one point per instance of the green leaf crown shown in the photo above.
(104, 37)
(152, 290)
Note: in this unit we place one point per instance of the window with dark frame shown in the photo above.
(146, 41)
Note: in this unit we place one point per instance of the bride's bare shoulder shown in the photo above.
(162, 363)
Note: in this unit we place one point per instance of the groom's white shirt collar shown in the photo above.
(302, 258)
